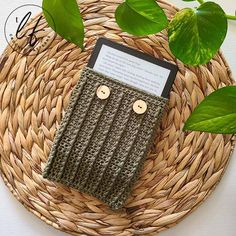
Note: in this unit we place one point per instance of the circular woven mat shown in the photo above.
(181, 171)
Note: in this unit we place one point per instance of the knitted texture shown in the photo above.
(101, 145)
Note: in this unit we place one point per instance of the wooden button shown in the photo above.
(103, 92)
(139, 106)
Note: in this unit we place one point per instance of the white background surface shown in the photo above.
(217, 216)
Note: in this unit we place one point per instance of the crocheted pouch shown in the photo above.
(104, 137)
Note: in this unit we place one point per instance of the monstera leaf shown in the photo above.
(216, 113)
(65, 19)
(195, 35)
(141, 18)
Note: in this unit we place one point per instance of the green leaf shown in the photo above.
(216, 113)
(63, 16)
(141, 18)
(195, 35)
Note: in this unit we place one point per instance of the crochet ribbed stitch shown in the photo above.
(101, 145)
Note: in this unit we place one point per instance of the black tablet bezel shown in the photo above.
(173, 68)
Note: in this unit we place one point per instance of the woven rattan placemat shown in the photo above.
(178, 175)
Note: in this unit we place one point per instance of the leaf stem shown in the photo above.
(230, 17)
(201, 1)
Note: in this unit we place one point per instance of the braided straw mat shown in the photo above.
(181, 170)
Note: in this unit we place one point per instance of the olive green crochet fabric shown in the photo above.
(101, 145)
